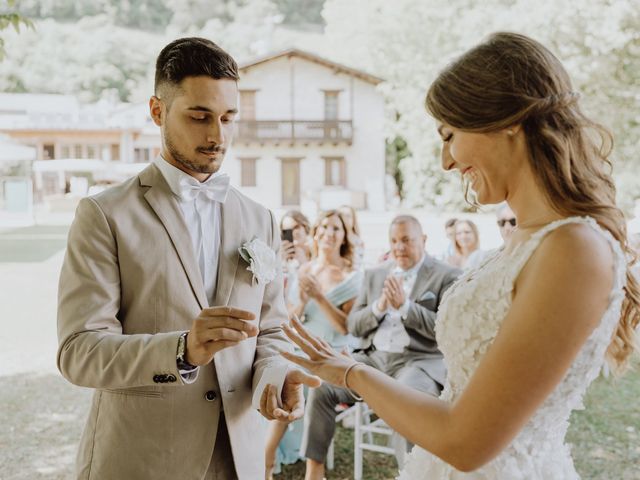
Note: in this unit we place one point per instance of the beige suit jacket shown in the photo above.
(130, 285)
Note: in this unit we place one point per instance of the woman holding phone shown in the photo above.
(295, 228)
(322, 296)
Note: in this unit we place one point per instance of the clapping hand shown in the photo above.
(383, 302)
(321, 360)
(394, 291)
(310, 286)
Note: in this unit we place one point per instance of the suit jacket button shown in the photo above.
(210, 396)
(171, 378)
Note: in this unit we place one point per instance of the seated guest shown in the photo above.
(450, 232)
(295, 228)
(394, 318)
(351, 221)
(506, 220)
(295, 249)
(328, 284)
(322, 296)
(467, 251)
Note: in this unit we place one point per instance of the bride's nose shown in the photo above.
(448, 163)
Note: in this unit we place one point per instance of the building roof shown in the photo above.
(312, 57)
(11, 151)
(56, 112)
(24, 103)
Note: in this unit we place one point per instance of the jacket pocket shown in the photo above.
(428, 300)
(135, 391)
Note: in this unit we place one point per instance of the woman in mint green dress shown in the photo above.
(321, 293)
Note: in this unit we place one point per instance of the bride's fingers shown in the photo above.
(325, 344)
(306, 347)
(313, 340)
(298, 360)
(293, 336)
(297, 324)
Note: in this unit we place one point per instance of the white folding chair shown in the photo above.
(366, 427)
(341, 416)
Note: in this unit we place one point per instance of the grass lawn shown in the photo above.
(32, 244)
(42, 417)
(606, 435)
(605, 438)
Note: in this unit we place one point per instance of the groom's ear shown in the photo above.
(155, 109)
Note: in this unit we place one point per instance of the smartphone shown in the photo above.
(287, 234)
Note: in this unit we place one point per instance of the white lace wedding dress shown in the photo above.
(469, 319)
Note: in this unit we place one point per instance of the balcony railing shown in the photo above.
(292, 130)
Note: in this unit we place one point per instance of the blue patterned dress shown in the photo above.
(317, 323)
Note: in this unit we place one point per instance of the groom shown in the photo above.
(159, 310)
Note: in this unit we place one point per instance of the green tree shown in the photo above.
(9, 17)
(149, 15)
(396, 151)
(408, 41)
(59, 59)
(301, 12)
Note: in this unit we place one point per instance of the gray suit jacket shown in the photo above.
(433, 279)
(129, 286)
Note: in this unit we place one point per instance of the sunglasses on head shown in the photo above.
(503, 221)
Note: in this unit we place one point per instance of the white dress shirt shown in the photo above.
(202, 216)
(391, 335)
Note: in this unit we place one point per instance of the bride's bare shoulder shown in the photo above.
(575, 246)
(576, 253)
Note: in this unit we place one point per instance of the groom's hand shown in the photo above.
(217, 328)
(292, 397)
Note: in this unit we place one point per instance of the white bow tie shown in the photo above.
(215, 188)
(404, 274)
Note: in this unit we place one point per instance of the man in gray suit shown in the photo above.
(394, 317)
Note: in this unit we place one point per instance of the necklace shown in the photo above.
(536, 222)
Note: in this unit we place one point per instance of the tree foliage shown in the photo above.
(408, 41)
(396, 151)
(9, 17)
(86, 46)
(301, 12)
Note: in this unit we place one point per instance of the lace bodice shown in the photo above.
(470, 316)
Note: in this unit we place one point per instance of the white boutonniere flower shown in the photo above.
(262, 261)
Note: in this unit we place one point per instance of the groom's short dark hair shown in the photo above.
(191, 57)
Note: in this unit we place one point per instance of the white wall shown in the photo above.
(273, 82)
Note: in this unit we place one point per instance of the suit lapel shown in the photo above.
(422, 275)
(162, 202)
(231, 235)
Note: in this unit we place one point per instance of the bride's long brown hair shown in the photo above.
(510, 80)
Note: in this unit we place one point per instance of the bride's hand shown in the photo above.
(322, 360)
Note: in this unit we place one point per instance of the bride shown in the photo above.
(526, 332)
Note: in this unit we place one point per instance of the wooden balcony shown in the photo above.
(305, 131)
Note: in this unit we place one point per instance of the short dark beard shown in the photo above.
(184, 161)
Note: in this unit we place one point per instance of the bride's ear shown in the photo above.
(513, 130)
